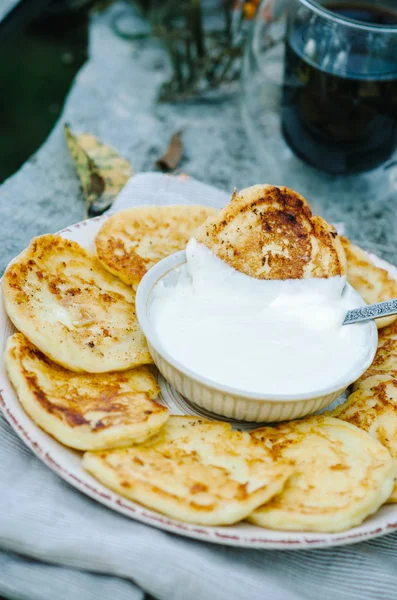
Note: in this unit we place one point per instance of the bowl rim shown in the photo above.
(176, 260)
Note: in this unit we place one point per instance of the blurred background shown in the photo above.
(313, 84)
(44, 43)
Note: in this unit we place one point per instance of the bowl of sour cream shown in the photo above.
(251, 349)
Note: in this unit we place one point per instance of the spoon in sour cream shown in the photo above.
(372, 311)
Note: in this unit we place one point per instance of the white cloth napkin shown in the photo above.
(57, 544)
(156, 188)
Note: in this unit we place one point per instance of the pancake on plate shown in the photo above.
(373, 408)
(77, 313)
(84, 411)
(195, 470)
(373, 404)
(342, 476)
(384, 365)
(133, 240)
(371, 282)
(269, 232)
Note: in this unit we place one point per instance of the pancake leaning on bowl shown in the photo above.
(81, 410)
(269, 232)
(342, 475)
(133, 240)
(194, 470)
(77, 313)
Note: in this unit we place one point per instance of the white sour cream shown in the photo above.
(266, 337)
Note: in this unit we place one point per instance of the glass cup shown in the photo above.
(319, 99)
(339, 104)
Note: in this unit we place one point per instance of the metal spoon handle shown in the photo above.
(373, 311)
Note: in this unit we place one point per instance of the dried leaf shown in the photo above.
(172, 157)
(102, 172)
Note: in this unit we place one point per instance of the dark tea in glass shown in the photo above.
(339, 104)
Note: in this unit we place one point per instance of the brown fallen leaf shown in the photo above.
(172, 156)
(102, 171)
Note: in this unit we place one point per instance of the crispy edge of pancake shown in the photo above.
(14, 296)
(370, 387)
(327, 254)
(128, 265)
(367, 407)
(151, 495)
(275, 516)
(80, 434)
(384, 365)
(359, 263)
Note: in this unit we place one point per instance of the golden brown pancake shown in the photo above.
(373, 404)
(384, 364)
(342, 475)
(194, 470)
(269, 232)
(84, 411)
(132, 241)
(77, 313)
(373, 408)
(372, 283)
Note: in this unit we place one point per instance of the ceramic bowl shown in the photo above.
(221, 399)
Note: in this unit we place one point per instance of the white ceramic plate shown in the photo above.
(67, 463)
